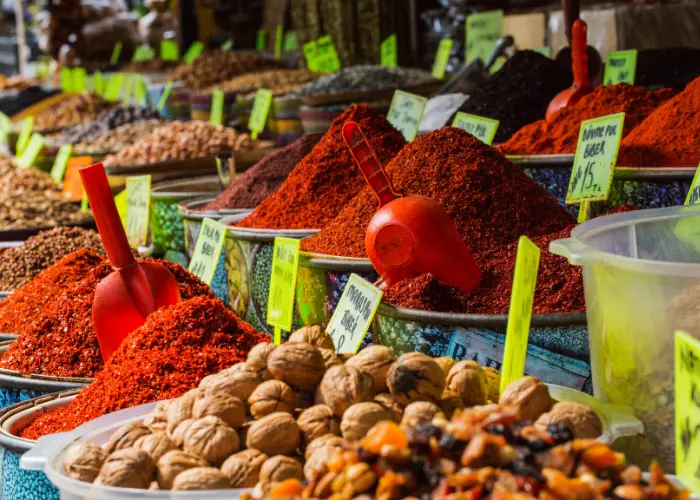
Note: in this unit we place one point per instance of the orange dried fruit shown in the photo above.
(384, 433)
(287, 488)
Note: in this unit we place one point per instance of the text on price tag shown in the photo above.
(207, 250)
(693, 197)
(527, 263)
(280, 301)
(389, 52)
(406, 113)
(687, 410)
(25, 133)
(138, 203)
(327, 60)
(442, 57)
(31, 151)
(620, 67)
(193, 52)
(354, 314)
(258, 116)
(217, 107)
(58, 170)
(482, 128)
(482, 32)
(594, 162)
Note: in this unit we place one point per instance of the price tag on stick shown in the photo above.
(261, 108)
(442, 57)
(279, 34)
(527, 263)
(116, 52)
(482, 128)
(389, 52)
(98, 83)
(594, 162)
(217, 107)
(406, 113)
(207, 250)
(260, 41)
(164, 96)
(193, 52)
(290, 41)
(327, 57)
(66, 80)
(280, 301)
(620, 67)
(31, 151)
(114, 87)
(25, 132)
(482, 32)
(693, 197)
(61, 162)
(310, 56)
(354, 314)
(138, 203)
(687, 410)
(169, 51)
(79, 80)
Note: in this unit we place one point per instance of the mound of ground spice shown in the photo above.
(669, 137)
(327, 178)
(170, 354)
(265, 177)
(61, 340)
(559, 135)
(491, 201)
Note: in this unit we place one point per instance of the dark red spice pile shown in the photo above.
(61, 341)
(170, 354)
(327, 178)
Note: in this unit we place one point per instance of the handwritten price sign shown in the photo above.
(482, 128)
(138, 203)
(354, 314)
(280, 301)
(207, 250)
(620, 67)
(483, 31)
(388, 52)
(406, 113)
(687, 406)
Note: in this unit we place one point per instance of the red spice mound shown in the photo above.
(61, 340)
(22, 307)
(559, 135)
(327, 178)
(669, 137)
(170, 354)
(559, 285)
(491, 201)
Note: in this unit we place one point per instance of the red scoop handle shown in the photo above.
(109, 224)
(369, 164)
(579, 53)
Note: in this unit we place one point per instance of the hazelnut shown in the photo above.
(243, 468)
(83, 461)
(274, 434)
(360, 418)
(318, 421)
(126, 436)
(240, 383)
(581, 419)
(228, 408)
(257, 360)
(529, 395)
(343, 386)
(127, 468)
(415, 377)
(270, 397)
(329, 357)
(156, 445)
(298, 364)
(419, 411)
(386, 401)
(375, 360)
(313, 335)
(279, 468)
(467, 380)
(201, 478)
(173, 463)
(212, 439)
(327, 441)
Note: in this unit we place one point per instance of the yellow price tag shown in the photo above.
(482, 128)
(261, 108)
(482, 32)
(207, 250)
(114, 87)
(620, 67)
(138, 203)
(217, 107)
(583, 212)
(193, 52)
(79, 80)
(442, 57)
(389, 52)
(280, 302)
(311, 56)
(169, 51)
(120, 202)
(61, 162)
(30, 153)
(66, 80)
(327, 59)
(25, 132)
(694, 191)
(279, 35)
(116, 52)
(687, 410)
(406, 113)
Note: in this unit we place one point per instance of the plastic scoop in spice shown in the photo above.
(582, 85)
(125, 298)
(410, 235)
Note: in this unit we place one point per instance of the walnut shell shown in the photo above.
(178, 435)
(387, 401)
(581, 419)
(280, 468)
(155, 423)
(243, 468)
(228, 408)
(156, 445)
(329, 357)
(360, 418)
(201, 478)
(257, 360)
(375, 360)
(303, 400)
(493, 384)
(173, 463)
(318, 421)
(181, 408)
(317, 463)
(240, 383)
(530, 395)
(467, 380)
(419, 411)
(450, 403)
(126, 436)
(127, 468)
(415, 377)
(343, 386)
(274, 434)
(212, 439)
(327, 441)
(83, 461)
(270, 397)
(313, 335)
(446, 363)
(298, 364)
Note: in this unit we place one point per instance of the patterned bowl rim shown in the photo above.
(188, 210)
(264, 235)
(335, 262)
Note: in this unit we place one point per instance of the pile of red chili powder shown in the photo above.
(559, 134)
(170, 354)
(61, 341)
(327, 178)
(491, 201)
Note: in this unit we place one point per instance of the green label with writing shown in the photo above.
(290, 41)
(406, 113)
(79, 80)
(693, 197)
(227, 46)
(279, 34)
(442, 57)
(25, 132)
(116, 52)
(193, 52)
(483, 31)
(31, 151)
(327, 60)
(207, 250)
(169, 51)
(260, 41)
(138, 204)
(66, 80)
(687, 410)
(620, 67)
(114, 87)
(261, 108)
(164, 96)
(594, 162)
(120, 202)
(482, 128)
(143, 53)
(217, 107)
(61, 162)
(283, 278)
(310, 56)
(389, 52)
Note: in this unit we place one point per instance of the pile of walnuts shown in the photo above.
(282, 414)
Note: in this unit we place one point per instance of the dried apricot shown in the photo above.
(382, 434)
(287, 488)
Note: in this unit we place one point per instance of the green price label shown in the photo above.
(583, 210)
(227, 46)
(169, 51)
(5, 126)
(120, 202)
(25, 132)
(193, 52)
(66, 80)
(278, 41)
(116, 52)
(261, 108)
(406, 113)
(280, 301)
(98, 83)
(79, 80)
(114, 87)
(260, 42)
(594, 162)
(693, 197)
(30, 153)
(354, 314)
(482, 128)
(310, 54)
(442, 57)
(84, 204)
(545, 51)
(482, 31)
(143, 53)
(620, 67)
(140, 90)
(687, 410)
(165, 96)
(290, 41)
(527, 263)
(207, 250)
(388, 52)
(217, 107)
(61, 162)
(138, 204)
(327, 60)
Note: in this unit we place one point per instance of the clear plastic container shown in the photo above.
(641, 275)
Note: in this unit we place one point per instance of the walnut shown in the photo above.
(317, 463)
(313, 335)
(240, 383)
(450, 403)
(178, 435)
(83, 461)
(343, 386)
(298, 364)
(156, 445)
(467, 380)
(155, 423)
(270, 397)
(228, 408)
(327, 441)
(318, 421)
(212, 439)
(303, 400)
(446, 363)
(419, 411)
(415, 377)
(181, 408)
(329, 357)
(257, 360)
(274, 434)
(386, 401)
(581, 419)
(360, 418)
(243, 468)
(493, 384)
(530, 395)
(279, 468)
(208, 381)
(127, 468)
(173, 463)
(201, 478)
(126, 436)
(375, 360)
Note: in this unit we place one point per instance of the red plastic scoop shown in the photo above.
(411, 235)
(125, 298)
(581, 86)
